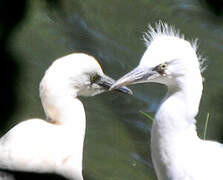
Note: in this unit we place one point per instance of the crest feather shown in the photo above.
(163, 29)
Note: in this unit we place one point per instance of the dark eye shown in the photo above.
(94, 78)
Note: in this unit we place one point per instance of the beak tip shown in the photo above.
(124, 88)
(112, 88)
(130, 92)
(116, 85)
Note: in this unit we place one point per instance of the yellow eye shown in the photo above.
(161, 68)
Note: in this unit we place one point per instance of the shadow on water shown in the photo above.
(215, 6)
(10, 69)
(12, 175)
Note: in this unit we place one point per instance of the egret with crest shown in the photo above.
(177, 151)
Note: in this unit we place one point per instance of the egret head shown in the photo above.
(76, 75)
(168, 59)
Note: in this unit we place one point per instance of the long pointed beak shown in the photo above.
(137, 75)
(106, 82)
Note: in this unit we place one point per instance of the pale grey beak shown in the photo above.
(137, 75)
(106, 82)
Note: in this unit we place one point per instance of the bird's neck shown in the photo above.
(174, 130)
(180, 106)
(65, 111)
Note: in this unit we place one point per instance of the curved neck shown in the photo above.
(64, 110)
(180, 106)
(174, 130)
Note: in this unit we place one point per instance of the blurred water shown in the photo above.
(117, 144)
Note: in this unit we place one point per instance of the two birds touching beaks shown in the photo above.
(55, 145)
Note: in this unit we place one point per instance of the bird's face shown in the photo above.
(76, 75)
(165, 61)
(93, 81)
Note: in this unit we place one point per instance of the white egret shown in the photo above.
(177, 151)
(55, 145)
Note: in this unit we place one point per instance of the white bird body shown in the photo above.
(177, 151)
(38, 146)
(55, 145)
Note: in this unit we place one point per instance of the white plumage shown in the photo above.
(177, 151)
(55, 145)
